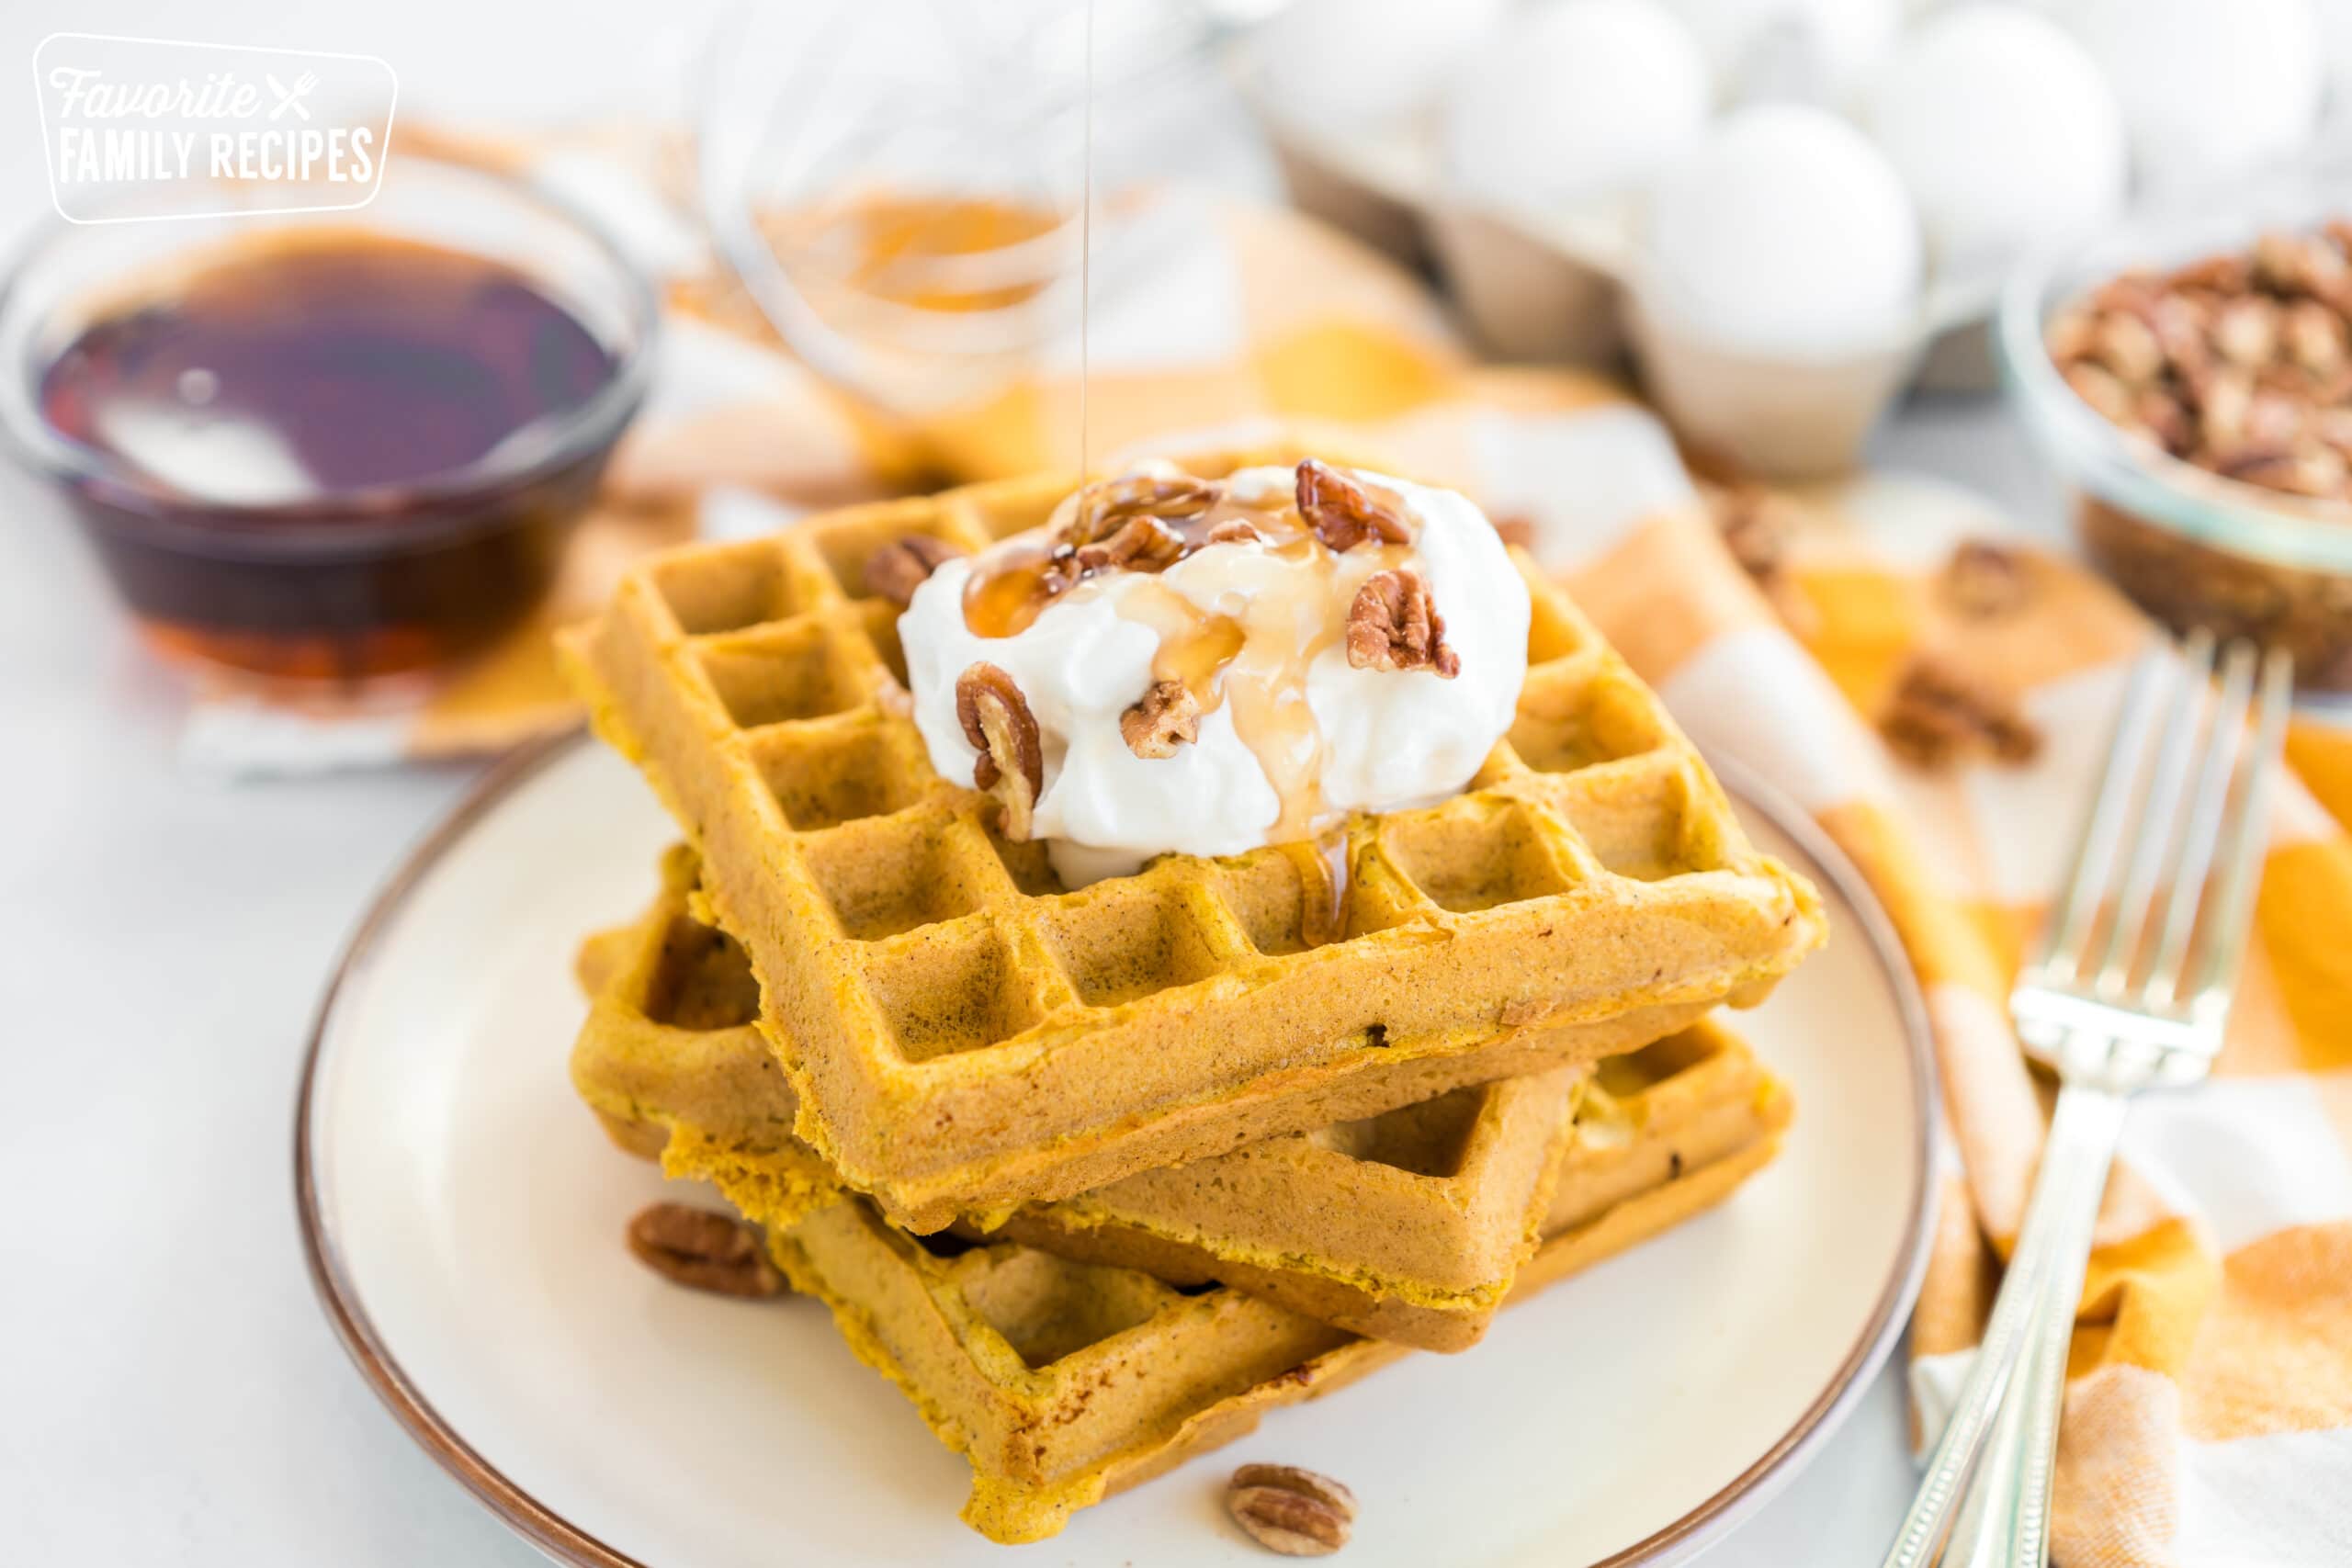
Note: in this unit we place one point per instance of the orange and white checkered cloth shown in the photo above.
(2210, 1418)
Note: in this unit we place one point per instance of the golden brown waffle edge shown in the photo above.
(1407, 1226)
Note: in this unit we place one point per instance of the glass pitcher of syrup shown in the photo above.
(921, 194)
(336, 451)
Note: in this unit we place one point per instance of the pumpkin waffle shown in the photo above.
(963, 1034)
(1408, 1225)
(1063, 1381)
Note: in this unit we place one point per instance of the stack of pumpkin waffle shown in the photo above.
(1098, 1176)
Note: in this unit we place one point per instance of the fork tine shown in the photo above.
(2155, 830)
(2242, 865)
(2068, 930)
(2194, 853)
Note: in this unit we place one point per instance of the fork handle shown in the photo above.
(2091, 1119)
(2058, 1219)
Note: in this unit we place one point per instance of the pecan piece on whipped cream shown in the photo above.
(1941, 716)
(1342, 512)
(707, 1250)
(1011, 765)
(1168, 716)
(1394, 624)
(1294, 1512)
(1101, 511)
(901, 567)
(1235, 530)
(1141, 544)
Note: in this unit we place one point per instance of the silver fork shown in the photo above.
(2107, 1000)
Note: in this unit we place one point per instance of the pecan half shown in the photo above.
(707, 1250)
(1168, 716)
(1394, 624)
(1291, 1511)
(1342, 512)
(898, 569)
(1939, 716)
(1753, 530)
(1141, 544)
(1235, 530)
(1985, 581)
(2316, 470)
(1099, 511)
(1757, 528)
(1011, 765)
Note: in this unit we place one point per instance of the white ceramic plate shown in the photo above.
(464, 1219)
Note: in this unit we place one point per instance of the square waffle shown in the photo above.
(962, 1033)
(1408, 1225)
(1063, 1383)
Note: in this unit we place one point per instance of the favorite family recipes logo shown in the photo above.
(137, 128)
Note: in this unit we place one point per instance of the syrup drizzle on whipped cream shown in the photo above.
(1256, 654)
(1231, 591)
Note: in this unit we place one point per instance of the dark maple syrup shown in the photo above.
(334, 457)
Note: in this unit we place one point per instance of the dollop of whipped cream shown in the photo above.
(1292, 735)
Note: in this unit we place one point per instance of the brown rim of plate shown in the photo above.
(563, 1539)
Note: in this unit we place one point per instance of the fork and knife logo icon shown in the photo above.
(291, 97)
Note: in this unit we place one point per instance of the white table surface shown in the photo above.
(171, 1392)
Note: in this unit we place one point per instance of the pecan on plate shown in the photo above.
(1985, 581)
(1394, 624)
(1168, 716)
(1939, 716)
(1011, 765)
(1342, 512)
(901, 567)
(707, 1250)
(1291, 1511)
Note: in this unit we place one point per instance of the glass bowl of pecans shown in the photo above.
(2189, 374)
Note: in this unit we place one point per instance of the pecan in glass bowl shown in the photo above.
(2190, 376)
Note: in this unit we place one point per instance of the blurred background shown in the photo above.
(811, 252)
(868, 226)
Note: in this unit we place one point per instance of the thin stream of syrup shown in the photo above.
(1259, 660)
(1086, 262)
(1324, 876)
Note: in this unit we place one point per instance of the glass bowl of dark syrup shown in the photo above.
(335, 452)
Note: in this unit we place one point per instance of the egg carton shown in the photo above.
(1546, 286)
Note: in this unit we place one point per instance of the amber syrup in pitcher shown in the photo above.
(333, 457)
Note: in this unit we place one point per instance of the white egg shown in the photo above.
(2211, 89)
(1785, 233)
(2006, 133)
(1814, 50)
(1574, 100)
(1356, 62)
